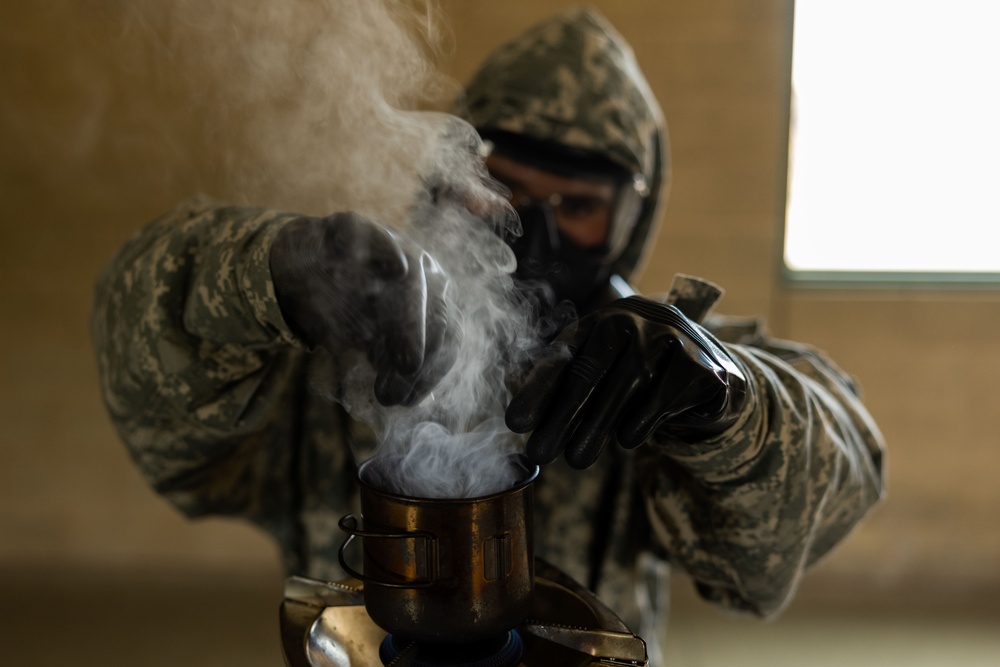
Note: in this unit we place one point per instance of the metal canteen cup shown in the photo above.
(445, 570)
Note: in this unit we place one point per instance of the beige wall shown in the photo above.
(81, 167)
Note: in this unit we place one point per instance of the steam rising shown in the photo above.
(311, 106)
(455, 443)
(319, 106)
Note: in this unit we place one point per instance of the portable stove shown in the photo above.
(326, 625)
(449, 582)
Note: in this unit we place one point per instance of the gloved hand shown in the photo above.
(345, 282)
(625, 371)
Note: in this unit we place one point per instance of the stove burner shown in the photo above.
(327, 624)
(502, 651)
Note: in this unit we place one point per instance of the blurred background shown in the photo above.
(104, 120)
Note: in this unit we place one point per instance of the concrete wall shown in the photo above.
(81, 167)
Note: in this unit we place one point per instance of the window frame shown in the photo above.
(849, 278)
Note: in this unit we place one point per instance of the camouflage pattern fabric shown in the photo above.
(222, 410)
(573, 80)
(218, 405)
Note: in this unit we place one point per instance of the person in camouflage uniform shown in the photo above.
(202, 337)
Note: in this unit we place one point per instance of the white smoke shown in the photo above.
(311, 106)
(455, 443)
(319, 106)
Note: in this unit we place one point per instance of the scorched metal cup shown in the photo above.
(444, 570)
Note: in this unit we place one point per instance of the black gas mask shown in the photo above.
(550, 263)
(552, 267)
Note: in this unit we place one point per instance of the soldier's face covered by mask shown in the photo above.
(574, 222)
(567, 97)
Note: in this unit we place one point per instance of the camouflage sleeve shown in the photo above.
(194, 357)
(745, 513)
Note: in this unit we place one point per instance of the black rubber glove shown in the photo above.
(345, 282)
(627, 370)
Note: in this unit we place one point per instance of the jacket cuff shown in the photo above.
(257, 288)
(729, 455)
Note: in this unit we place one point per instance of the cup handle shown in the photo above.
(349, 524)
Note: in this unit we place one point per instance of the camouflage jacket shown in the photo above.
(215, 399)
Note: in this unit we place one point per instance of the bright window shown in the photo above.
(894, 152)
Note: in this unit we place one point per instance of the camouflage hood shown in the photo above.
(574, 81)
